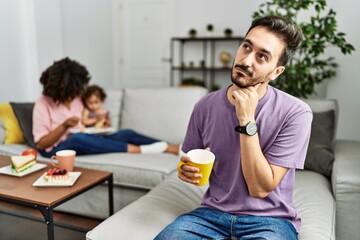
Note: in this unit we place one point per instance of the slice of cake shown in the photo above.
(22, 163)
(57, 175)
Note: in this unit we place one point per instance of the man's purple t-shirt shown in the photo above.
(284, 124)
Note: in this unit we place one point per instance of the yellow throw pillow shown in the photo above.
(13, 133)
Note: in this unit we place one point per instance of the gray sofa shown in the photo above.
(326, 193)
(148, 195)
(162, 113)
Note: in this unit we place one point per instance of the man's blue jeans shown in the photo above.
(93, 144)
(205, 223)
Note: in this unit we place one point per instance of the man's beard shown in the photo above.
(243, 81)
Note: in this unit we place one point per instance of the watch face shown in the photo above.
(251, 128)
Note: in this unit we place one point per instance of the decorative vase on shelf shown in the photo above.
(225, 58)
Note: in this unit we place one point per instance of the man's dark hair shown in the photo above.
(286, 30)
(65, 80)
(93, 90)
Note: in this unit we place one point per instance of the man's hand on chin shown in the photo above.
(246, 101)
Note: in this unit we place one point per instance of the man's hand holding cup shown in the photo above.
(195, 167)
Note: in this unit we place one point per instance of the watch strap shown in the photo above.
(240, 129)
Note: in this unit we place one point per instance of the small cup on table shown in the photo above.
(65, 159)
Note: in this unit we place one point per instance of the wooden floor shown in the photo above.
(16, 225)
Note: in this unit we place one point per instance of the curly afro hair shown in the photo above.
(65, 80)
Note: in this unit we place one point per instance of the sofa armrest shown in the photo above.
(346, 188)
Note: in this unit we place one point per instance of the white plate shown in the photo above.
(41, 182)
(92, 130)
(7, 170)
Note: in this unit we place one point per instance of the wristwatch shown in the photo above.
(249, 129)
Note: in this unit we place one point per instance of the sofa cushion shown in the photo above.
(13, 133)
(320, 155)
(143, 171)
(162, 113)
(315, 203)
(23, 113)
(2, 132)
(113, 103)
(17, 149)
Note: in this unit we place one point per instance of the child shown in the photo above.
(94, 115)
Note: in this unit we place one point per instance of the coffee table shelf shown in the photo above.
(20, 191)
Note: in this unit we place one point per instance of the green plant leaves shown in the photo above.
(308, 67)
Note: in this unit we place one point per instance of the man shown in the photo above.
(259, 136)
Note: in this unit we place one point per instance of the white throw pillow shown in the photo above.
(162, 113)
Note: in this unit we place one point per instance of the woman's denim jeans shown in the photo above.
(205, 223)
(84, 143)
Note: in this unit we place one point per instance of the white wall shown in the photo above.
(346, 85)
(49, 33)
(34, 33)
(81, 30)
(88, 36)
(17, 51)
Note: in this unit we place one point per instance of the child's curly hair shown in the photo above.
(93, 90)
(65, 80)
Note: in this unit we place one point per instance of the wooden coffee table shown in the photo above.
(19, 190)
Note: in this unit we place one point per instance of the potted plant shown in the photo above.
(308, 67)
(228, 32)
(191, 81)
(192, 33)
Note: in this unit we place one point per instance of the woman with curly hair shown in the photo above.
(58, 112)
